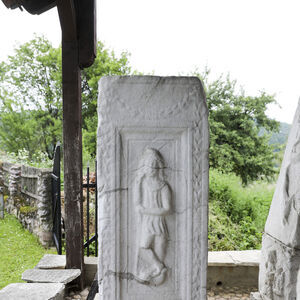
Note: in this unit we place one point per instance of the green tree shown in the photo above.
(106, 63)
(235, 120)
(31, 96)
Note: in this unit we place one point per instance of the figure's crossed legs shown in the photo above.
(152, 253)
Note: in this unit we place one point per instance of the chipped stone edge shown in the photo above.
(67, 280)
(58, 296)
(230, 260)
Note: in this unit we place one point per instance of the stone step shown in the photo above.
(52, 261)
(33, 291)
(63, 276)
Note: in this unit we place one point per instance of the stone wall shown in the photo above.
(28, 196)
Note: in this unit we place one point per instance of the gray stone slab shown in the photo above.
(62, 276)
(33, 291)
(152, 161)
(279, 271)
(246, 258)
(234, 258)
(220, 258)
(283, 219)
(52, 261)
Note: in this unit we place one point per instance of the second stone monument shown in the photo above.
(152, 188)
(279, 270)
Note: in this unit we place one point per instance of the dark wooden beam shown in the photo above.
(34, 7)
(72, 123)
(86, 27)
(11, 3)
(67, 16)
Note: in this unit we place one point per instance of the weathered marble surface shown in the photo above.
(283, 219)
(33, 291)
(152, 188)
(279, 270)
(53, 276)
(280, 255)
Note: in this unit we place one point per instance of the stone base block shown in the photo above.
(227, 276)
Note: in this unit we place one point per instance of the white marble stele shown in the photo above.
(279, 276)
(152, 188)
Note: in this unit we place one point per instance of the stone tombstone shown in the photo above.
(279, 274)
(152, 188)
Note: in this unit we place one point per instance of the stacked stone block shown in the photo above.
(27, 193)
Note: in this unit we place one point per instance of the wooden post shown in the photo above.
(78, 25)
(72, 122)
(72, 157)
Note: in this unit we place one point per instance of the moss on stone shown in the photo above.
(25, 210)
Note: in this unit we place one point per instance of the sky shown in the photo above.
(255, 41)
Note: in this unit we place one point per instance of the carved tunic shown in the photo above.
(154, 198)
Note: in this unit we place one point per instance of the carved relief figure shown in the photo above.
(292, 189)
(153, 204)
(270, 274)
(275, 277)
(279, 282)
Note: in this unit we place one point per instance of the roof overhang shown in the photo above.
(34, 7)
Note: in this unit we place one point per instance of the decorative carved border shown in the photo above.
(106, 187)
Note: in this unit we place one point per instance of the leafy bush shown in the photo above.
(237, 214)
(38, 159)
(31, 96)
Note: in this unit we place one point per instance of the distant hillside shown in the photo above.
(281, 136)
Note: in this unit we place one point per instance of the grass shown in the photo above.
(19, 250)
(237, 214)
